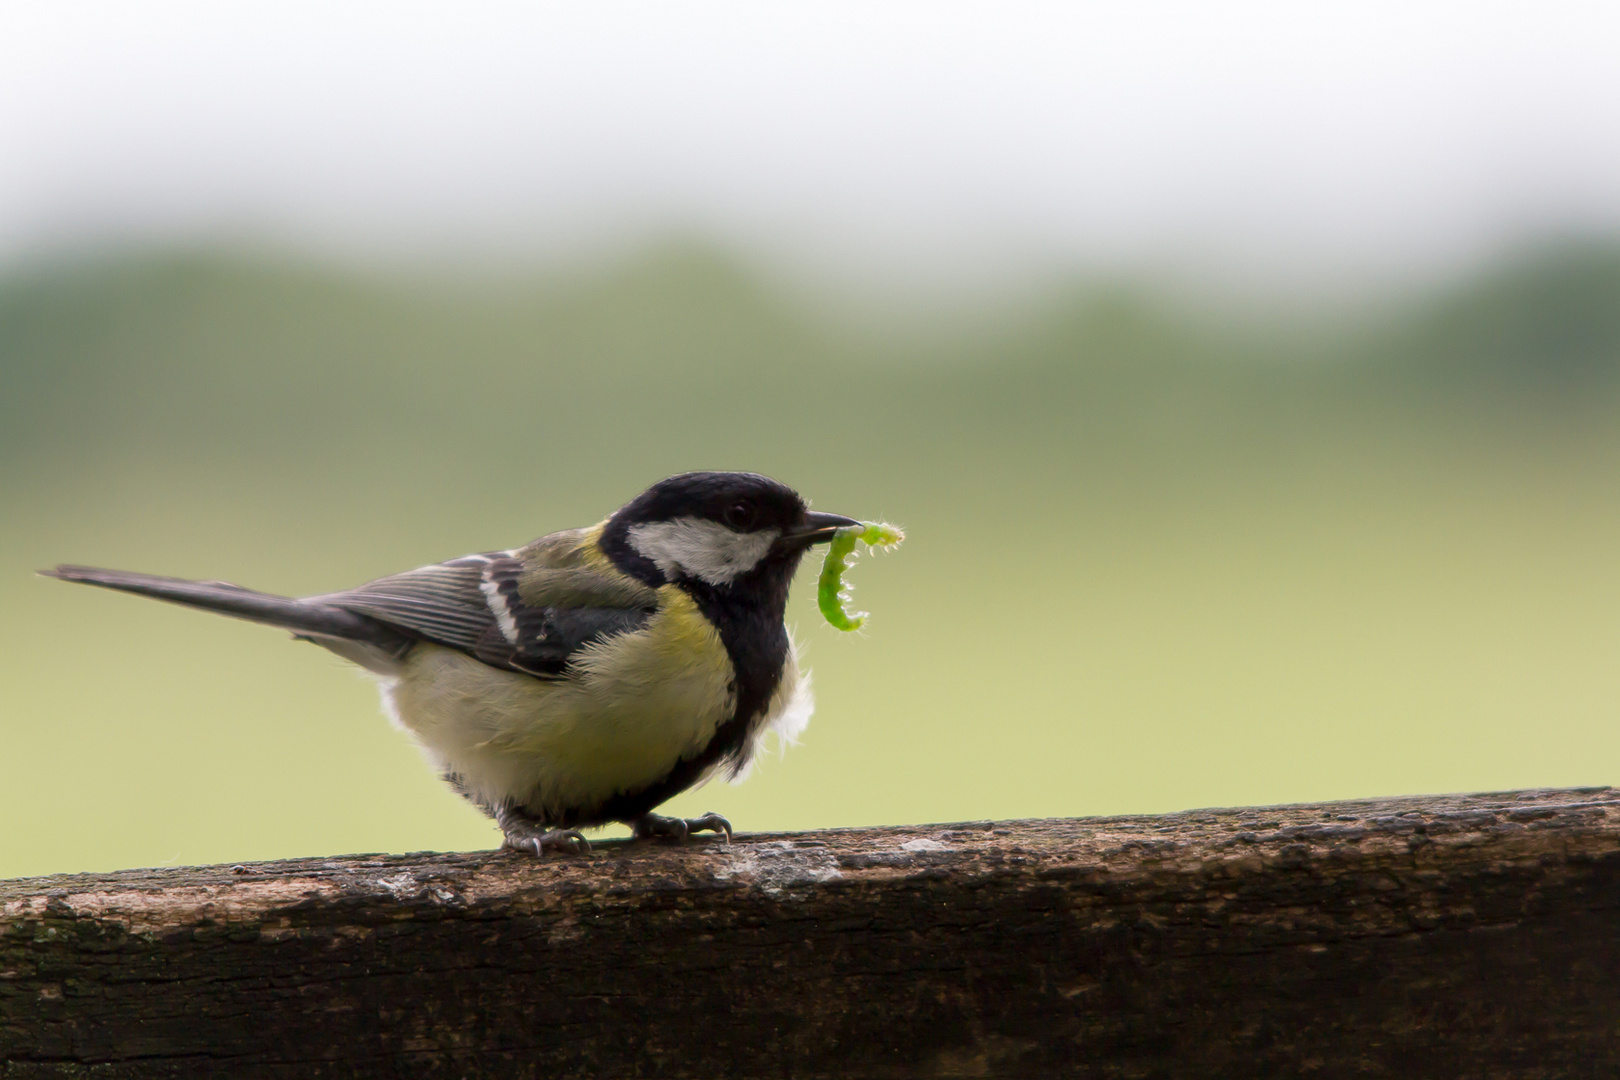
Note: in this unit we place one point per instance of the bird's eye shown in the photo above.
(741, 515)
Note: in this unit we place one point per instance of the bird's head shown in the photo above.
(725, 530)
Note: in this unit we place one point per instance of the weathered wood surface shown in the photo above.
(1463, 936)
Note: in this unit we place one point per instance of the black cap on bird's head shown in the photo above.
(724, 529)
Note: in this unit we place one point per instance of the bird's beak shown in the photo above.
(818, 527)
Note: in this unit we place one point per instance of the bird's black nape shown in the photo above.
(740, 500)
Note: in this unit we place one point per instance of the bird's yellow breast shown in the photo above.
(631, 707)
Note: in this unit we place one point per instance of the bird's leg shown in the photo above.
(655, 825)
(524, 833)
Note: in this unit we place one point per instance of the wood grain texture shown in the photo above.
(1460, 936)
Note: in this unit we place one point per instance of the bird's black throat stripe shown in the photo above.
(748, 615)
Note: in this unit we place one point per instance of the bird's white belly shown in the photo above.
(631, 708)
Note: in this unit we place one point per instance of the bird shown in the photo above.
(584, 678)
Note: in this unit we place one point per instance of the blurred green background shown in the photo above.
(1161, 555)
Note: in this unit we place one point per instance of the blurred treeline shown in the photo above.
(1162, 555)
(567, 390)
(686, 348)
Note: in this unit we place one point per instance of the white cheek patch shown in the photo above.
(703, 549)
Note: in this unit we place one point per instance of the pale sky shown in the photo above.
(1273, 138)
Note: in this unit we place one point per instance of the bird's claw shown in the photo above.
(711, 822)
(650, 826)
(537, 844)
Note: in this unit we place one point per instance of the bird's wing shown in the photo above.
(443, 602)
(529, 611)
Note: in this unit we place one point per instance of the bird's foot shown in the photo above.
(525, 833)
(538, 841)
(648, 826)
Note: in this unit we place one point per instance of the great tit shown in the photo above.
(586, 677)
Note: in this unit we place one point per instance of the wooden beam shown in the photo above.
(1474, 935)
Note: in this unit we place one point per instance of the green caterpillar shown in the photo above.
(830, 594)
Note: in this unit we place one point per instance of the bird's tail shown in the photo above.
(302, 617)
